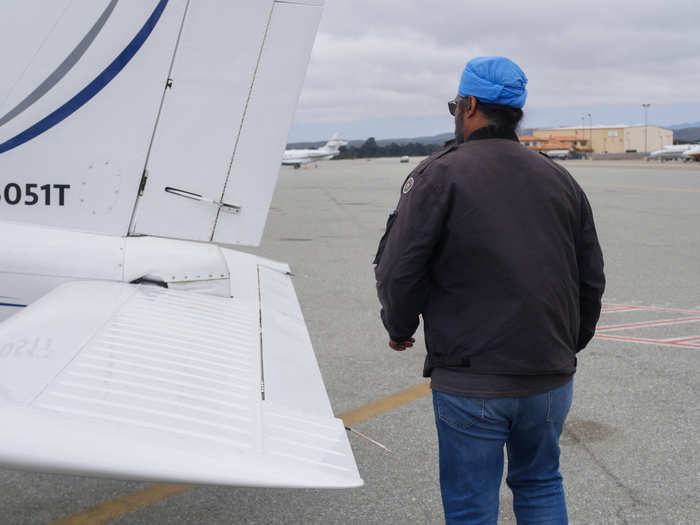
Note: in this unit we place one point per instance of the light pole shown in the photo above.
(590, 128)
(590, 133)
(646, 107)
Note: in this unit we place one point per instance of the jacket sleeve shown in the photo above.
(403, 261)
(591, 277)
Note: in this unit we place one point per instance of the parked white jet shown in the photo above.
(558, 153)
(135, 145)
(692, 153)
(671, 152)
(297, 157)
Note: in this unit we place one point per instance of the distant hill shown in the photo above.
(430, 140)
(683, 126)
(433, 139)
(687, 134)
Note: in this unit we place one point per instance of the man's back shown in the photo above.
(495, 247)
(504, 278)
(505, 237)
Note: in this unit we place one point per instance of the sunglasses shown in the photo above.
(452, 106)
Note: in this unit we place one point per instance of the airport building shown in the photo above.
(614, 139)
(570, 146)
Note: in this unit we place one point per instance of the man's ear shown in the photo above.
(471, 107)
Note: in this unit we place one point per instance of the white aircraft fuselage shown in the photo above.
(299, 157)
(35, 260)
(671, 152)
(558, 153)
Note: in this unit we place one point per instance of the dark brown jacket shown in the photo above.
(495, 246)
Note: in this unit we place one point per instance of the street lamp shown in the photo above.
(590, 128)
(590, 132)
(646, 107)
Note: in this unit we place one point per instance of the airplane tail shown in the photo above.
(153, 118)
(335, 142)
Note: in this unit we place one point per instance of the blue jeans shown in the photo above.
(471, 435)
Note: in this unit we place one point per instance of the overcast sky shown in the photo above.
(387, 67)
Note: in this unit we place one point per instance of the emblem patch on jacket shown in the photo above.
(408, 185)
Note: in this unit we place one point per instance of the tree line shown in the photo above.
(370, 149)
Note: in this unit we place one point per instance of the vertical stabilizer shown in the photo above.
(333, 145)
(216, 153)
(81, 86)
(268, 119)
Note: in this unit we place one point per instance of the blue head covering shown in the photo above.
(494, 80)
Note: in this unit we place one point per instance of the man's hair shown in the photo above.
(498, 115)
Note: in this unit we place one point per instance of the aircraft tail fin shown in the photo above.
(79, 98)
(158, 117)
(335, 142)
(216, 153)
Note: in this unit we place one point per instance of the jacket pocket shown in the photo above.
(382, 242)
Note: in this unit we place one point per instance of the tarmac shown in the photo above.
(630, 446)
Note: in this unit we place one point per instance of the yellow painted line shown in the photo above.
(127, 504)
(648, 188)
(385, 404)
(113, 509)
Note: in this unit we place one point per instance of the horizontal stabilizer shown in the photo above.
(145, 383)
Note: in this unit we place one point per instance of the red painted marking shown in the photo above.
(683, 340)
(659, 322)
(615, 305)
(651, 308)
(618, 305)
(646, 341)
(679, 342)
(619, 309)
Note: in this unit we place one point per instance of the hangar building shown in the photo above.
(614, 139)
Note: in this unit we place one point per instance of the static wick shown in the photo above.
(363, 436)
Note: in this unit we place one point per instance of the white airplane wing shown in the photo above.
(142, 382)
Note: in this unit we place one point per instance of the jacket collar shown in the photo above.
(492, 132)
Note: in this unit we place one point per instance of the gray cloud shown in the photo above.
(390, 59)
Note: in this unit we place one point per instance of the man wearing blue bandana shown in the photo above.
(495, 247)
